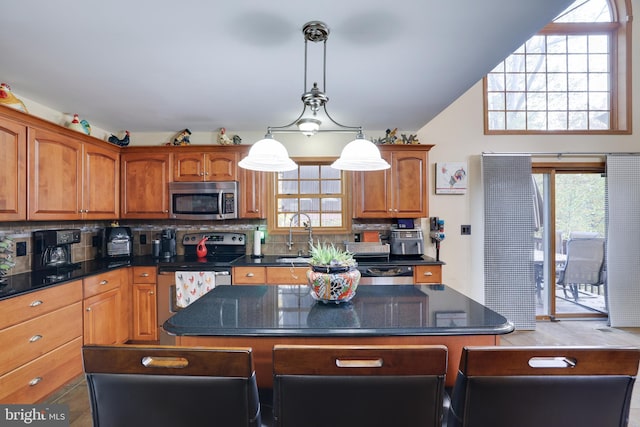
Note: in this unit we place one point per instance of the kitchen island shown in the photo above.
(262, 316)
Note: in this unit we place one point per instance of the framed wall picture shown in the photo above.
(451, 177)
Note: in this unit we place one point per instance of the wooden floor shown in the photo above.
(567, 332)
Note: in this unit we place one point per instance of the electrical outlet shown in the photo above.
(143, 239)
(465, 230)
(21, 248)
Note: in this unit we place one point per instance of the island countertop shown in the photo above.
(263, 316)
(381, 310)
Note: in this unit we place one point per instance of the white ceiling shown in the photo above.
(162, 65)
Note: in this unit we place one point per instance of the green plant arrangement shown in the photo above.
(333, 275)
(6, 257)
(328, 255)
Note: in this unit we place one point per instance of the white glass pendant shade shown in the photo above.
(268, 155)
(309, 127)
(360, 155)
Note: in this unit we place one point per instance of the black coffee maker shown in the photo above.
(52, 250)
(168, 243)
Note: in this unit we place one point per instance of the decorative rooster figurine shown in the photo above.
(121, 142)
(9, 99)
(201, 248)
(223, 138)
(80, 126)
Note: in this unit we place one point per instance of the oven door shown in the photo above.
(386, 275)
(166, 294)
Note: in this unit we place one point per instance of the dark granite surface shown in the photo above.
(380, 310)
(272, 261)
(33, 281)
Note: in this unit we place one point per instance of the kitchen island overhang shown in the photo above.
(263, 316)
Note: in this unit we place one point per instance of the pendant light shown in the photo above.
(269, 155)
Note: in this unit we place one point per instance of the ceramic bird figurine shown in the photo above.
(201, 248)
(223, 138)
(9, 99)
(182, 137)
(121, 142)
(78, 126)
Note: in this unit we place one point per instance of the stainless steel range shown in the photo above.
(222, 248)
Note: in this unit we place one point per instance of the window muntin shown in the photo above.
(314, 189)
(560, 80)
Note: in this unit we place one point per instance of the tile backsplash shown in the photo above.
(144, 233)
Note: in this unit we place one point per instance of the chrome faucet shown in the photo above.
(307, 226)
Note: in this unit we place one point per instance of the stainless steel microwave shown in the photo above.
(203, 200)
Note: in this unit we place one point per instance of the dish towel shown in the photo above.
(191, 285)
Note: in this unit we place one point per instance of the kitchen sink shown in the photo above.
(294, 260)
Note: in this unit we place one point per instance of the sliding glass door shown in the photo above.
(570, 240)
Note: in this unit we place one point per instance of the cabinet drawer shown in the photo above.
(287, 275)
(33, 338)
(144, 275)
(24, 307)
(427, 274)
(39, 378)
(101, 283)
(249, 275)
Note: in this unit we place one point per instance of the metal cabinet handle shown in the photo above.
(144, 275)
(88, 308)
(249, 274)
(35, 338)
(427, 273)
(35, 303)
(35, 381)
(104, 282)
(151, 293)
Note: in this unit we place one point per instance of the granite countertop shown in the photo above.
(33, 281)
(377, 310)
(272, 261)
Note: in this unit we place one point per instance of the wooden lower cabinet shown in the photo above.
(103, 308)
(41, 334)
(287, 275)
(269, 275)
(427, 274)
(144, 319)
(249, 275)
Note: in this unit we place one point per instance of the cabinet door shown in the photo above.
(370, 193)
(188, 167)
(221, 166)
(287, 275)
(55, 175)
(102, 318)
(13, 174)
(145, 190)
(145, 317)
(252, 191)
(101, 186)
(408, 184)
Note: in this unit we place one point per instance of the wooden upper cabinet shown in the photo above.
(13, 174)
(145, 188)
(252, 193)
(55, 171)
(398, 192)
(208, 166)
(101, 186)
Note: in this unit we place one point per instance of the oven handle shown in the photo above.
(220, 203)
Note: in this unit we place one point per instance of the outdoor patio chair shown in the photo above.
(584, 265)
